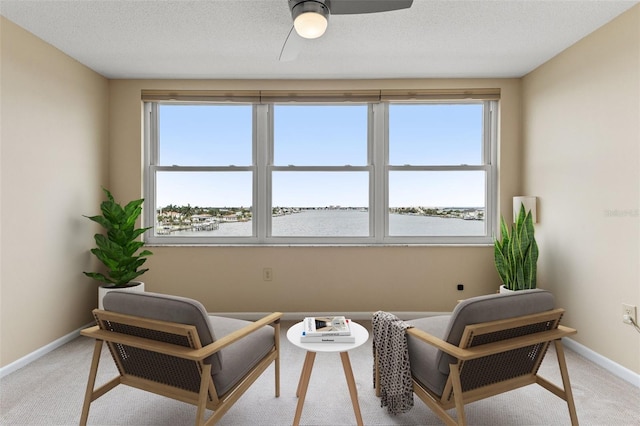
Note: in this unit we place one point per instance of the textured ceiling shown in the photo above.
(243, 38)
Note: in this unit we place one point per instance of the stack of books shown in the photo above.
(327, 329)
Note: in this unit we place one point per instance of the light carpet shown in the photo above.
(50, 390)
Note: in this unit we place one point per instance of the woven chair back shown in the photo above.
(509, 364)
(149, 365)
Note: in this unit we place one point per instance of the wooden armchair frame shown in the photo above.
(178, 345)
(506, 342)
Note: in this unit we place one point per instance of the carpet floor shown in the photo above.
(50, 390)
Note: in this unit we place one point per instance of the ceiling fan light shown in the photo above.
(310, 19)
(310, 25)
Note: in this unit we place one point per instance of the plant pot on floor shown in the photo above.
(136, 286)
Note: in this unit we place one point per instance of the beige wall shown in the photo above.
(582, 158)
(53, 153)
(309, 278)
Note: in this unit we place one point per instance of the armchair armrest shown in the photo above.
(437, 342)
(219, 344)
(491, 348)
(174, 350)
(142, 343)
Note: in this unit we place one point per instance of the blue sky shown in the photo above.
(328, 136)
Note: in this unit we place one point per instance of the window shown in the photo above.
(202, 170)
(320, 172)
(376, 172)
(437, 170)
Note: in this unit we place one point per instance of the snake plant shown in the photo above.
(516, 254)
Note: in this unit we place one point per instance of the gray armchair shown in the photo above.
(168, 345)
(488, 345)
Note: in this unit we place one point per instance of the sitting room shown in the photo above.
(366, 169)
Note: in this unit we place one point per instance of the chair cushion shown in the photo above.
(239, 357)
(163, 307)
(422, 356)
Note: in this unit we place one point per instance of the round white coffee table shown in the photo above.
(361, 335)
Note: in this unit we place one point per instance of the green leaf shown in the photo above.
(98, 276)
(516, 254)
(118, 249)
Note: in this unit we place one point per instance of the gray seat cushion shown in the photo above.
(164, 307)
(241, 356)
(431, 366)
(423, 356)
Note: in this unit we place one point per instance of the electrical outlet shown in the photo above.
(267, 274)
(629, 312)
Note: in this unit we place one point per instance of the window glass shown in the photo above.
(436, 203)
(204, 204)
(320, 204)
(197, 135)
(307, 135)
(435, 134)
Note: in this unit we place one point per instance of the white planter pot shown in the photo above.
(503, 289)
(102, 291)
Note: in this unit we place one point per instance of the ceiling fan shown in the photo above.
(311, 18)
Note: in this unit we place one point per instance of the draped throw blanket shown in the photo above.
(390, 347)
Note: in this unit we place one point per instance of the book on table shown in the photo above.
(326, 326)
(327, 339)
(326, 329)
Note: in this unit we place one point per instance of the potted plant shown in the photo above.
(119, 249)
(516, 254)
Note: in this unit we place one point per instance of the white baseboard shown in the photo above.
(612, 367)
(27, 359)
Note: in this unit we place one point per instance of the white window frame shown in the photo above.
(377, 166)
(369, 168)
(151, 111)
(488, 166)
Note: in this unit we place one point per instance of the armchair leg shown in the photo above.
(564, 372)
(203, 395)
(277, 360)
(457, 393)
(88, 396)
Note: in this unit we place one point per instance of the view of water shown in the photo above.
(350, 223)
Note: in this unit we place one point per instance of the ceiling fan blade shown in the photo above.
(291, 47)
(350, 7)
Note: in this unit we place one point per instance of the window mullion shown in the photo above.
(462, 167)
(263, 140)
(491, 159)
(379, 201)
(345, 168)
(204, 168)
(151, 155)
